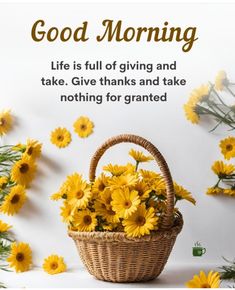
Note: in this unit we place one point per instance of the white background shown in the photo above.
(189, 150)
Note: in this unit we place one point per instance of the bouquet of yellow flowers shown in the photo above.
(124, 198)
(207, 100)
(225, 171)
(17, 170)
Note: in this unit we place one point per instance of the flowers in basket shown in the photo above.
(123, 199)
(225, 171)
(17, 170)
(207, 100)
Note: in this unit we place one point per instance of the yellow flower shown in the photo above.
(143, 189)
(56, 196)
(83, 126)
(227, 147)
(3, 182)
(229, 192)
(60, 137)
(105, 198)
(66, 212)
(19, 147)
(200, 94)
(115, 170)
(54, 265)
(221, 169)
(159, 187)
(20, 257)
(123, 180)
(106, 212)
(212, 280)
(13, 202)
(191, 112)
(182, 193)
(214, 190)
(33, 149)
(99, 185)
(23, 171)
(139, 156)
(125, 202)
(4, 227)
(79, 192)
(5, 122)
(221, 80)
(141, 222)
(62, 193)
(85, 220)
(130, 168)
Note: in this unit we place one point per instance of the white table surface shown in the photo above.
(173, 276)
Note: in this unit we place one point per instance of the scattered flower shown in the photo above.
(83, 126)
(4, 227)
(227, 147)
(60, 137)
(23, 171)
(13, 201)
(33, 149)
(221, 169)
(54, 265)
(212, 280)
(20, 257)
(5, 122)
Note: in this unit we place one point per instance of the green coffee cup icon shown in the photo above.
(198, 250)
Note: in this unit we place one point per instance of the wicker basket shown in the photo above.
(117, 258)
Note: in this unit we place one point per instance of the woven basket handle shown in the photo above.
(128, 138)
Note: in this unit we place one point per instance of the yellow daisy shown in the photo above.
(60, 137)
(227, 147)
(13, 201)
(100, 184)
(182, 193)
(199, 94)
(214, 190)
(139, 156)
(122, 181)
(54, 265)
(221, 80)
(130, 168)
(4, 227)
(125, 202)
(107, 213)
(23, 171)
(159, 187)
(221, 169)
(115, 170)
(105, 198)
(79, 192)
(143, 189)
(5, 122)
(19, 147)
(66, 212)
(191, 112)
(229, 192)
(33, 149)
(3, 182)
(20, 257)
(150, 177)
(85, 220)
(141, 222)
(62, 193)
(212, 280)
(83, 126)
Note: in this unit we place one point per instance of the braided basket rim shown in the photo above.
(121, 236)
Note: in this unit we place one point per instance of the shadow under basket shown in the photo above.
(116, 258)
(112, 256)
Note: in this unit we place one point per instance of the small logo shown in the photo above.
(198, 250)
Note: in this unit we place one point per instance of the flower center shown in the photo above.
(111, 212)
(140, 220)
(30, 151)
(20, 257)
(101, 186)
(54, 266)
(205, 285)
(229, 147)
(79, 194)
(15, 199)
(87, 220)
(127, 204)
(60, 137)
(24, 168)
(83, 127)
(141, 192)
(2, 121)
